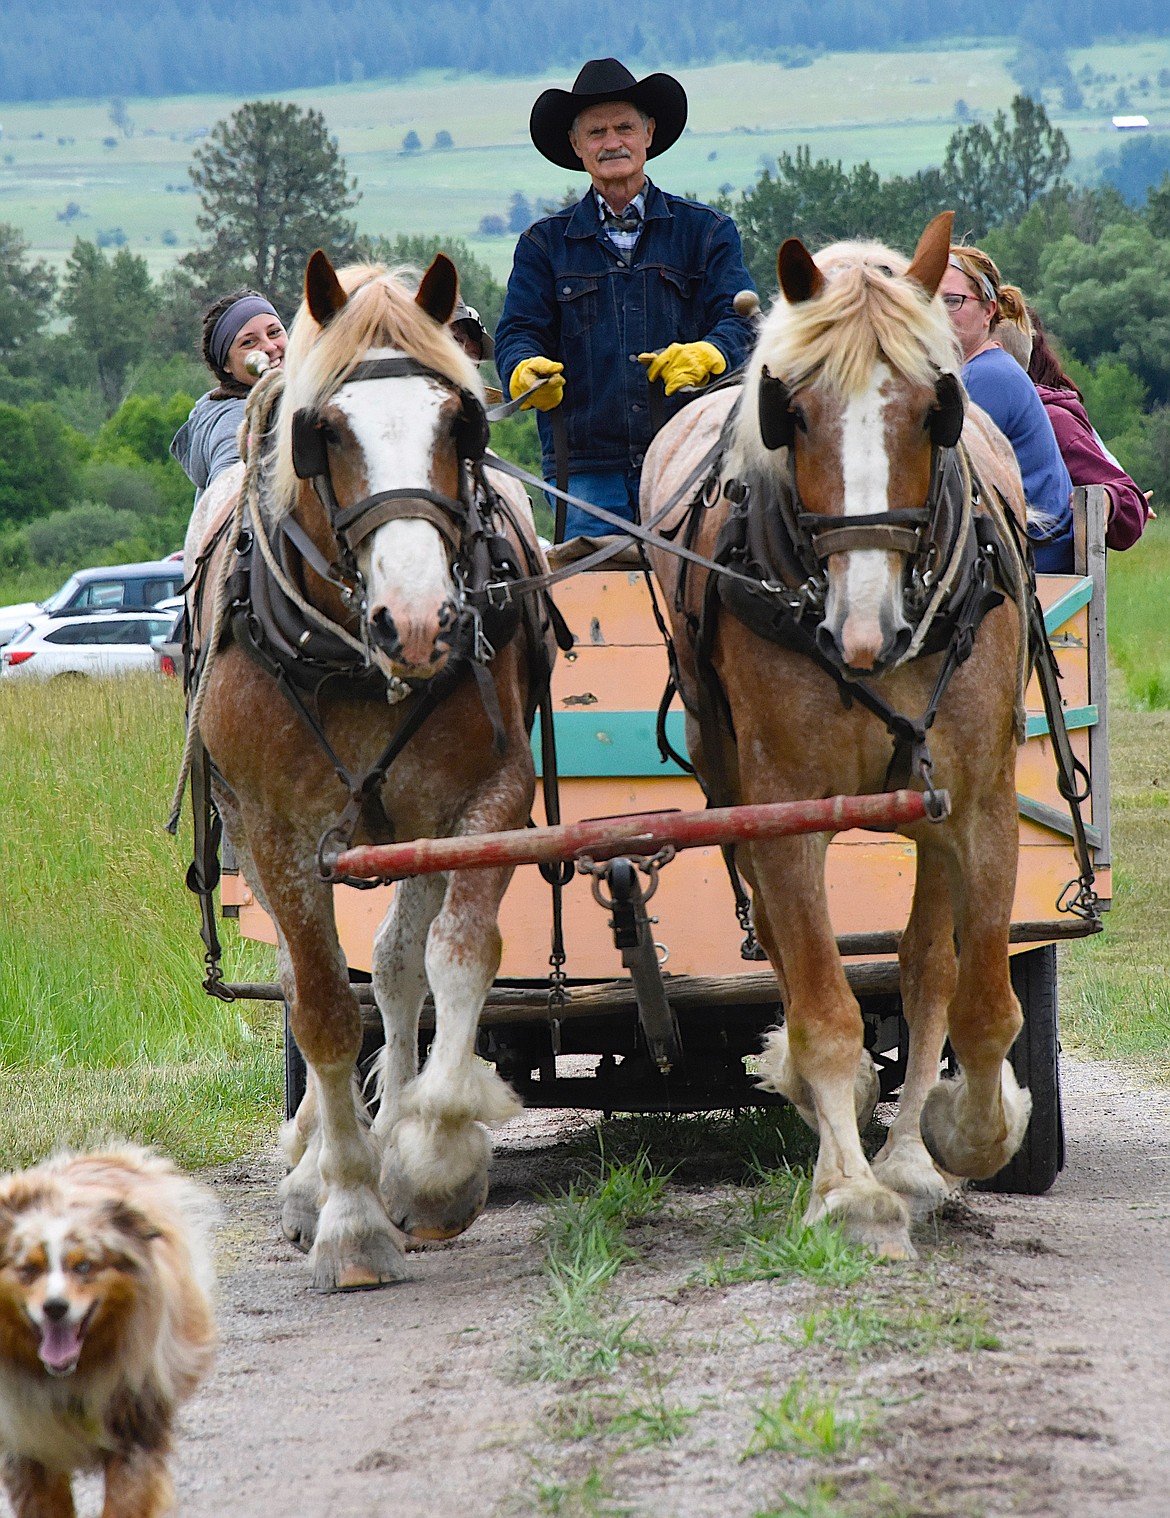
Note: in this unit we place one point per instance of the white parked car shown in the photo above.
(104, 643)
(134, 587)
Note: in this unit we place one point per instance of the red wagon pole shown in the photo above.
(640, 833)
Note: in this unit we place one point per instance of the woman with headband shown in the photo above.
(978, 301)
(235, 327)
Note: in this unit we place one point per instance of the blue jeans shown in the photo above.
(613, 490)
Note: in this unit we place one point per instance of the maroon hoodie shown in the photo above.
(1087, 465)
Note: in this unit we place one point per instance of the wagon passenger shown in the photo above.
(234, 328)
(629, 284)
(1085, 456)
(979, 301)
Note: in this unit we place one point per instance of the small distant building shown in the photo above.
(1131, 123)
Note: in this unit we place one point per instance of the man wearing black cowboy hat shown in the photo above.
(629, 285)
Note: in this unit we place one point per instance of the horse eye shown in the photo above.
(800, 419)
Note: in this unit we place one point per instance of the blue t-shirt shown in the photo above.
(997, 383)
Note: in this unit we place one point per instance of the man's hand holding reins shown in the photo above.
(683, 364)
(531, 372)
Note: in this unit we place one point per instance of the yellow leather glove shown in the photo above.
(684, 364)
(527, 373)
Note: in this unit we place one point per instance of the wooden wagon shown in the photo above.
(605, 697)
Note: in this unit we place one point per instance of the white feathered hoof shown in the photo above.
(778, 1073)
(961, 1140)
(868, 1214)
(435, 1177)
(905, 1166)
(357, 1249)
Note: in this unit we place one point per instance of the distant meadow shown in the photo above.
(67, 171)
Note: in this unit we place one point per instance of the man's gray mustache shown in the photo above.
(611, 153)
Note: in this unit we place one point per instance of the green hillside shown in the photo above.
(67, 171)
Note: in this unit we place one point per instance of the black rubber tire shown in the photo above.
(295, 1074)
(1035, 1058)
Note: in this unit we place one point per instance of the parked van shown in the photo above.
(121, 587)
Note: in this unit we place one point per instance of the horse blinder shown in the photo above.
(778, 420)
(945, 419)
(472, 431)
(309, 453)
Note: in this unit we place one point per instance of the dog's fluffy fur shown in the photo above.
(106, 1326)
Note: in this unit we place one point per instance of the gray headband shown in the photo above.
(229, 325)
(980, 279)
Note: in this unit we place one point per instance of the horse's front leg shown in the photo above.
(435, 1167)
(355, 1244)
(818, 1053)
(974, 1124)
(400, 985)
(927, 960)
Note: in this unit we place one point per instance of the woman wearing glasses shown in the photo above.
(978, 301)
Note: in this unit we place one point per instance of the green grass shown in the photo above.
(1114, 996)
(769, 1240)
(860, 1328)
(578, 1334)
(1139, 636)
(895, 109)
(803, 1421)
(104, 1025)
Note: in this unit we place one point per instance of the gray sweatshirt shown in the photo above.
(206, 442)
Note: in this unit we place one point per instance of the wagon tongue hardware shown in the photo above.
(614, 850)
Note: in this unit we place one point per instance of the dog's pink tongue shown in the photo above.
(60, 1347)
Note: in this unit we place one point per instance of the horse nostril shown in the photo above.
(55, 1309)
(385, 633)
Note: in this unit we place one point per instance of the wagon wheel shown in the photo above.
(1035, 1058)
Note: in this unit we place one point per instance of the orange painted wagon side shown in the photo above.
(605, 697)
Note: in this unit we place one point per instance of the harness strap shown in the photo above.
(356, 523)
(203, 871)
(628, 529)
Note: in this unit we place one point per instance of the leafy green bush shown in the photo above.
(69, 537)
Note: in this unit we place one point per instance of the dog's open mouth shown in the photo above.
(61, 1344)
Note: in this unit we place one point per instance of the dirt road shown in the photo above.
(410, 1402)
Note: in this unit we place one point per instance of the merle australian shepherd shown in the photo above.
(106, 1326)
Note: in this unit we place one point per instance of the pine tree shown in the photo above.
(274, 187)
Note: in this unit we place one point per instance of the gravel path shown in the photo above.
(407, 1402)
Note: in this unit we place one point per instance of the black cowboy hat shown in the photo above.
(600, 81)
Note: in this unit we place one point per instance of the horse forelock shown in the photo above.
(867, 313)
(381, 313)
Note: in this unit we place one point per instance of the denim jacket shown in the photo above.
(572, 297)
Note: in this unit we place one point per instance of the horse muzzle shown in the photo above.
(863, 646)
(412, 646)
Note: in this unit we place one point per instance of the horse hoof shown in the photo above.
(375, 1262)
(869, 1215)
(298, 1223)
(954, 1137)
(433, 1219)
(904, 1166)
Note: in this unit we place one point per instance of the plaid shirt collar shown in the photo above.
(625, 240)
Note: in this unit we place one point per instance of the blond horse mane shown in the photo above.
(381, 313)
(866, 312)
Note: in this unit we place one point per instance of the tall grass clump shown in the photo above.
(1139, 638)
(585, 1246)
(770, 1241)
(100, 954)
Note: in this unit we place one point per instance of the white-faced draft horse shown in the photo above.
(364, 687)
(868, 634)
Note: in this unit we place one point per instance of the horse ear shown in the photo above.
(800, 279)
(323, 293)
(929, 263)
(439, 289)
